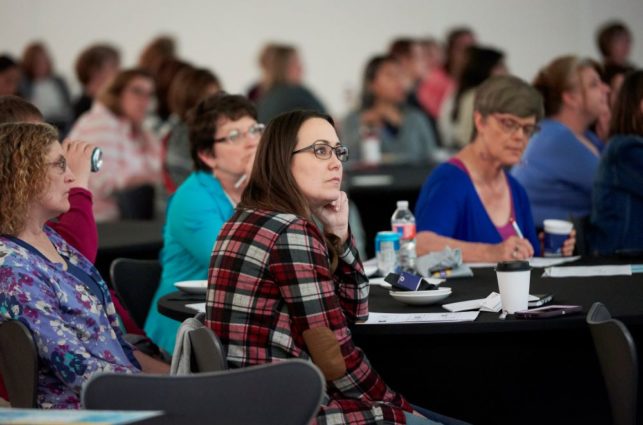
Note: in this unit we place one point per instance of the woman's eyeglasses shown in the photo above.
(511, 126)
(60, 164)
(236, 136)
(323, 150)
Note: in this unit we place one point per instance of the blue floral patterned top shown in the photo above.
(76, 333)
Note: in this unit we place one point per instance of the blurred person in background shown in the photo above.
(617, 199)
(156, 52)
(189, 87)
(284, 91)
(131, 154)
(266, 57)
(458, 40)
(167, 72)
(403, 132)
(559, 165)
(614, 41)
(436, 84)
(42, 87)
(95, 67)
(9, 76)
(456, 121)
(224, 134)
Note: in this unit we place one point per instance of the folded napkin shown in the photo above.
(491, 304)
(444, 264)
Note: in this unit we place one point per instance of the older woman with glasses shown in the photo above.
(281, 287)
(223, 134)
(471, 202)
(45, 282)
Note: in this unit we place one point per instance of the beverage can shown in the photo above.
(387, 247)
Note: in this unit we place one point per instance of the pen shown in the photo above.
(517, 229)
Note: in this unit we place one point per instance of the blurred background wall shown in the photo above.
(335, 37)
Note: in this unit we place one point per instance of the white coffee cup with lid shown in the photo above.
(513, 283)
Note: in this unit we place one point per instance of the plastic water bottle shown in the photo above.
(403, 222)
(371, 153)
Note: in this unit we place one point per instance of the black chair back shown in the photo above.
(19, 364)
(284, 393)
(136, 282)
(136, 203)
(617, 356)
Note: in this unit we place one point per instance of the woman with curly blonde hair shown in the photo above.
(45, 282)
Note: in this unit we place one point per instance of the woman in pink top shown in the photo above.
(131, 155)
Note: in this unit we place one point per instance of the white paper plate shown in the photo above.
(421, 297)
(192, 286)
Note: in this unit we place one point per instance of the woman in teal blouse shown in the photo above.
(224, 134)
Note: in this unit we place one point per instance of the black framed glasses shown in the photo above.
(323, 150)
(511, 126)
(236, 136)
(60, 164)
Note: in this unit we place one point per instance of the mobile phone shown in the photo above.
(548, 311)
(542, 300)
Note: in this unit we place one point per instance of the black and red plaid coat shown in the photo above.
(269, 281)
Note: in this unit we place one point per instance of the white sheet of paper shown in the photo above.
(542, 262)
(68, 416)
(198, 307)
(583, 271)
(539, 262)
(480, 265)
(392, 318)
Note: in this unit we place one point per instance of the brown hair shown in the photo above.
(609, 32)
(23, 170)
(16, 109)
(92, 59)
(159, 49)
(110, 96)
(401, 48)
(278, 66)
(30, 56)
(507, 94)
(204, 118)
(627, 117)
(272, 186)
(559, 76)
(165, 76)
(188, 88)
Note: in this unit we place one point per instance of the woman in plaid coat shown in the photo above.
(280, 287)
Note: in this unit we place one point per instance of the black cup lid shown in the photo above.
(513, 266)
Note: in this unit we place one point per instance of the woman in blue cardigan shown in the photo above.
(224, 135)
(471, 202)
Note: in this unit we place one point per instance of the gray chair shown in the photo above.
(201, 344)
(19, 364)
(617, 356)
(284, 393)
(136, 282)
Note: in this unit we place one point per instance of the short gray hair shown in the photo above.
(507, 94)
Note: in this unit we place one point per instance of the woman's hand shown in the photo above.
(569, 244)
(78, 155)
(334, 217)
(513, 248)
